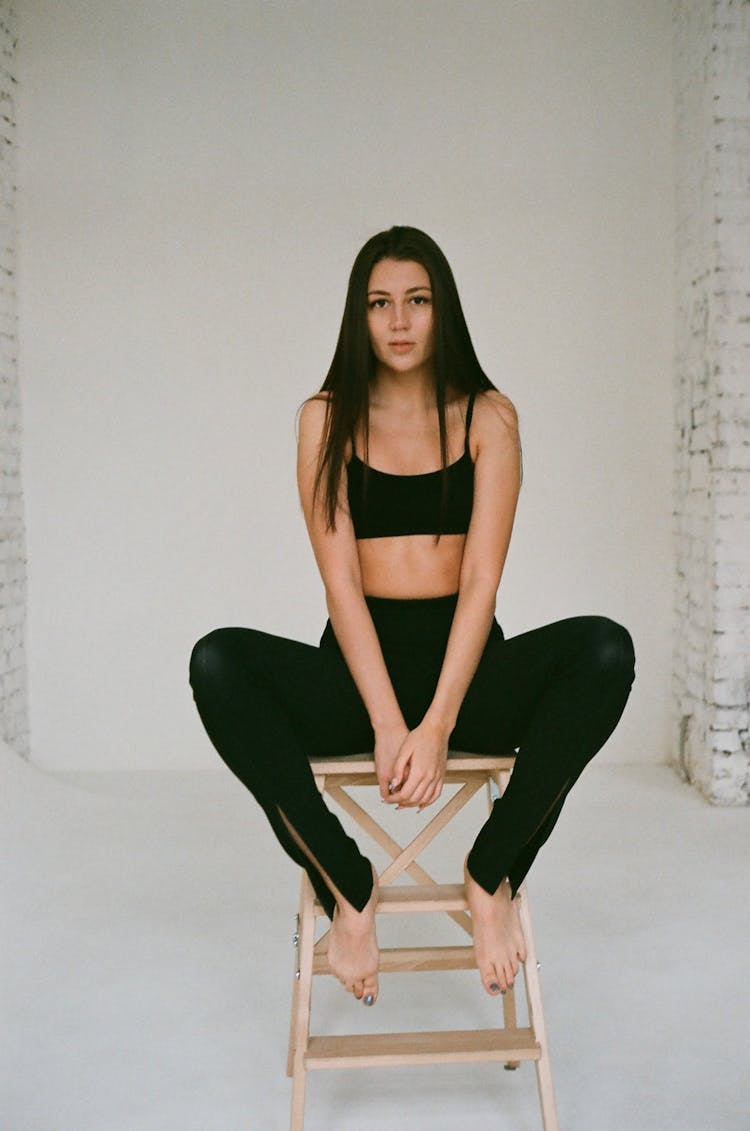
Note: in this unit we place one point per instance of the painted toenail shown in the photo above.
(502, 991)
(368, 999)
(494, 987)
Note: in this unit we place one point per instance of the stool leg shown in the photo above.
(301, 1009)
(536, 1018)
(511, 1022)
(496, 784)
(295, 988)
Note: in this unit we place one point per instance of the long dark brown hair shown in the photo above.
(353, 366)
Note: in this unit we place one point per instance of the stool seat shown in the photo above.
(362, 766)
(509, 1043)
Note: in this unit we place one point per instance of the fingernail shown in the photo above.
(368, 999)
(494, 987)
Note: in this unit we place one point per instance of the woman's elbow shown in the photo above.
(345, 585)
(479, 580)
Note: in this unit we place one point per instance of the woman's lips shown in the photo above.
(401, 347)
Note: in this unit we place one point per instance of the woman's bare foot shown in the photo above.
(498, 937)
(353, 953)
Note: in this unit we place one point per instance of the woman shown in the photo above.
(409, 468)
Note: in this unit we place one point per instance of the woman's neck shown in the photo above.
(410, 393)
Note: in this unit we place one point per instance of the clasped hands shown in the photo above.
(411, 764)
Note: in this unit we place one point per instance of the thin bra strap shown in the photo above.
(469, 411)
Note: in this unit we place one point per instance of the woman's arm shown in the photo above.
(338, 562)
(497, 479)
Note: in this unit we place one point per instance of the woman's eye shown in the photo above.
(381, 303)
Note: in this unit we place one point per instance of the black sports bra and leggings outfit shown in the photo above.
(555, 694)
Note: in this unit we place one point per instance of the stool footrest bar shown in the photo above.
(394, 960)
(403, 899)
(458, 1046)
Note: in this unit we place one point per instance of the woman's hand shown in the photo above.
(388, 742)
(419, 769)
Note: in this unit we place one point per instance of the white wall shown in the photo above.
(195, 180)
(14, 717)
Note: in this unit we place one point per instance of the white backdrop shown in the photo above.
(194, 182)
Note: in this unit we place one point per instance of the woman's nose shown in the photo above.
(399, 315)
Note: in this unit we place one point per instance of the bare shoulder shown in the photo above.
(496, 417)
(312, 417)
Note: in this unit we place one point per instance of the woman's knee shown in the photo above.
(611, 648)
(225, 656)
(209, 659)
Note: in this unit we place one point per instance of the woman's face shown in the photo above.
(400, 314)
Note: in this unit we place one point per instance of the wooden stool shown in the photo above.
(510, 1043)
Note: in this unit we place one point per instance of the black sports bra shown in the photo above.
(411, 504)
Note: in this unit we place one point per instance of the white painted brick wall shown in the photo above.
(712, 465)
(14, 723)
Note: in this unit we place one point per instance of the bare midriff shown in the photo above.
(409, 566)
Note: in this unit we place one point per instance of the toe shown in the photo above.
(370, 990)
(492, 981)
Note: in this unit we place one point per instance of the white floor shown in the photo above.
(146, 963)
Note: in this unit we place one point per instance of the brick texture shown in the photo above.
(712, 464)
(14, 723)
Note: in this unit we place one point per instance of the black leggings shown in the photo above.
(555, 694)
